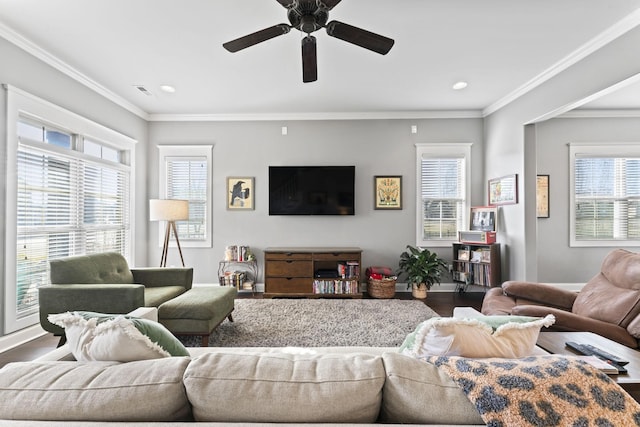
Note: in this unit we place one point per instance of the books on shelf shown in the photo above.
(348, 269)
(336, 286)
(233, 278)
(237, 253)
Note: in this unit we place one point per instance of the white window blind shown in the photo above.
(66, 205)
(605, 208)
(187, 180)
(607, 198)
(442, 192)
(443, 189)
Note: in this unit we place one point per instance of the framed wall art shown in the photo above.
(240, 194)
(542, 196)
(388, 191)
(483, 218)
(503, 190)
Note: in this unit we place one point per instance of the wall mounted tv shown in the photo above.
(311, 190)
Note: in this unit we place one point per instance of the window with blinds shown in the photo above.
(185, 173)
(68, 203)
(187, 180)
(442, 198)
(607, 198)
(606, 195)
(442, 192)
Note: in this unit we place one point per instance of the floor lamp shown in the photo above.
(171, 211)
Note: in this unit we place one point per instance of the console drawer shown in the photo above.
(288, 285)
(336, 256)
(288, 268)
(287, 256)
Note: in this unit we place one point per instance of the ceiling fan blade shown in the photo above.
(257, 37)
(360, 37)
(287, 3)
(309, 60)
(329, 4)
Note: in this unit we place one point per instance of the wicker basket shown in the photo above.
(382, 288)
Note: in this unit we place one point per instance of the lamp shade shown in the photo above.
(168, 210)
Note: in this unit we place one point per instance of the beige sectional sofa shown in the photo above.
(238, 385)
(243, 386)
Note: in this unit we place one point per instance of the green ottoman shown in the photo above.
(198, 311)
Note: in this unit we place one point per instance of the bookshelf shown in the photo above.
(476, 264)
(241, 274)
(312, 272)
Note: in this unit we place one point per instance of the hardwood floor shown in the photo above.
(441, 302)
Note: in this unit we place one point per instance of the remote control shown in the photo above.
(591, 350)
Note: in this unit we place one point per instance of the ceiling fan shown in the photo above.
(308, 16)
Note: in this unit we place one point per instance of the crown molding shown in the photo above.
(381, 115)
(621, 27)
(49, 59)
(602, 114)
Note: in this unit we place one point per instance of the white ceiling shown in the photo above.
(498, 46)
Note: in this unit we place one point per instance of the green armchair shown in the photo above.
(104, 283)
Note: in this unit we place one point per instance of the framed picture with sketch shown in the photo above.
(240, 194)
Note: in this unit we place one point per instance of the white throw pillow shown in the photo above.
(444, 336)
(96, 336)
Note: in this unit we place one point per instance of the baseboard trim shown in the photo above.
(451, 287)
(443, 287)
(20, 337)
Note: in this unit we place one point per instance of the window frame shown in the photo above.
(612, 150)
(166, 152)
(24, 106)
(441, 150)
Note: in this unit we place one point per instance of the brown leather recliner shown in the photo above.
(608, 305)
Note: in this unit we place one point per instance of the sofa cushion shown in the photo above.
(416, 392)
(108, 267)
(613, 295)
(601, 300)
(294, 388)
(149, 390)
(203, 303)
(155, 296)
(96, 336)
(444, 336)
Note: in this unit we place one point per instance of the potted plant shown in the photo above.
(423, 269)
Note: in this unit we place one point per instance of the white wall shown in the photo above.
(505, 151)
(375, 147)
(556, 260)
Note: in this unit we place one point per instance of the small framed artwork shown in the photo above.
(240, 194)
(483, 218)
(542, 196)
(388, 191)
(503, 190)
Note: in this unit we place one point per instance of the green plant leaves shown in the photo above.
(421, 266)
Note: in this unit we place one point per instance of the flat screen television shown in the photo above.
(311, 190)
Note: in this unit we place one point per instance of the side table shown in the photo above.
(554, 342)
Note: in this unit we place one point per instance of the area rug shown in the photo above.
(318, 323)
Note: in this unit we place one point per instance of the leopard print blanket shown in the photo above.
(541, 391)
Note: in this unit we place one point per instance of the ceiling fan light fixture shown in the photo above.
(309, 16)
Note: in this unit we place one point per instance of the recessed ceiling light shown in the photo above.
(167, 88)
(459, 85)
